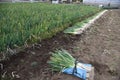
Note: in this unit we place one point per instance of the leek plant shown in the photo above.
(26, 22)
(60, 60)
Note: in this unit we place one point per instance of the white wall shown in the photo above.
(105, 3)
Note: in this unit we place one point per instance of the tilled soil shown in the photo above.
(99, 46)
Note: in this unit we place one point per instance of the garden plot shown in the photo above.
(22, 24)
(99, 46)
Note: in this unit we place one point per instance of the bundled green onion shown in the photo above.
(61, 59)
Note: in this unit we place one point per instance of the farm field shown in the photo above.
(26, 23)
(99, 46)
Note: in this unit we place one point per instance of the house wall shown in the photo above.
(105, 3)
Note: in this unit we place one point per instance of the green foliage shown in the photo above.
(7, 78)
(77, 26)
(61, 59)
(30, 22)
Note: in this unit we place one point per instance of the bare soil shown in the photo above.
(99, 46)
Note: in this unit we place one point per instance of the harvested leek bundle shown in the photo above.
(61, 60)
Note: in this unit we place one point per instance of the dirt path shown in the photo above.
(99, 45)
